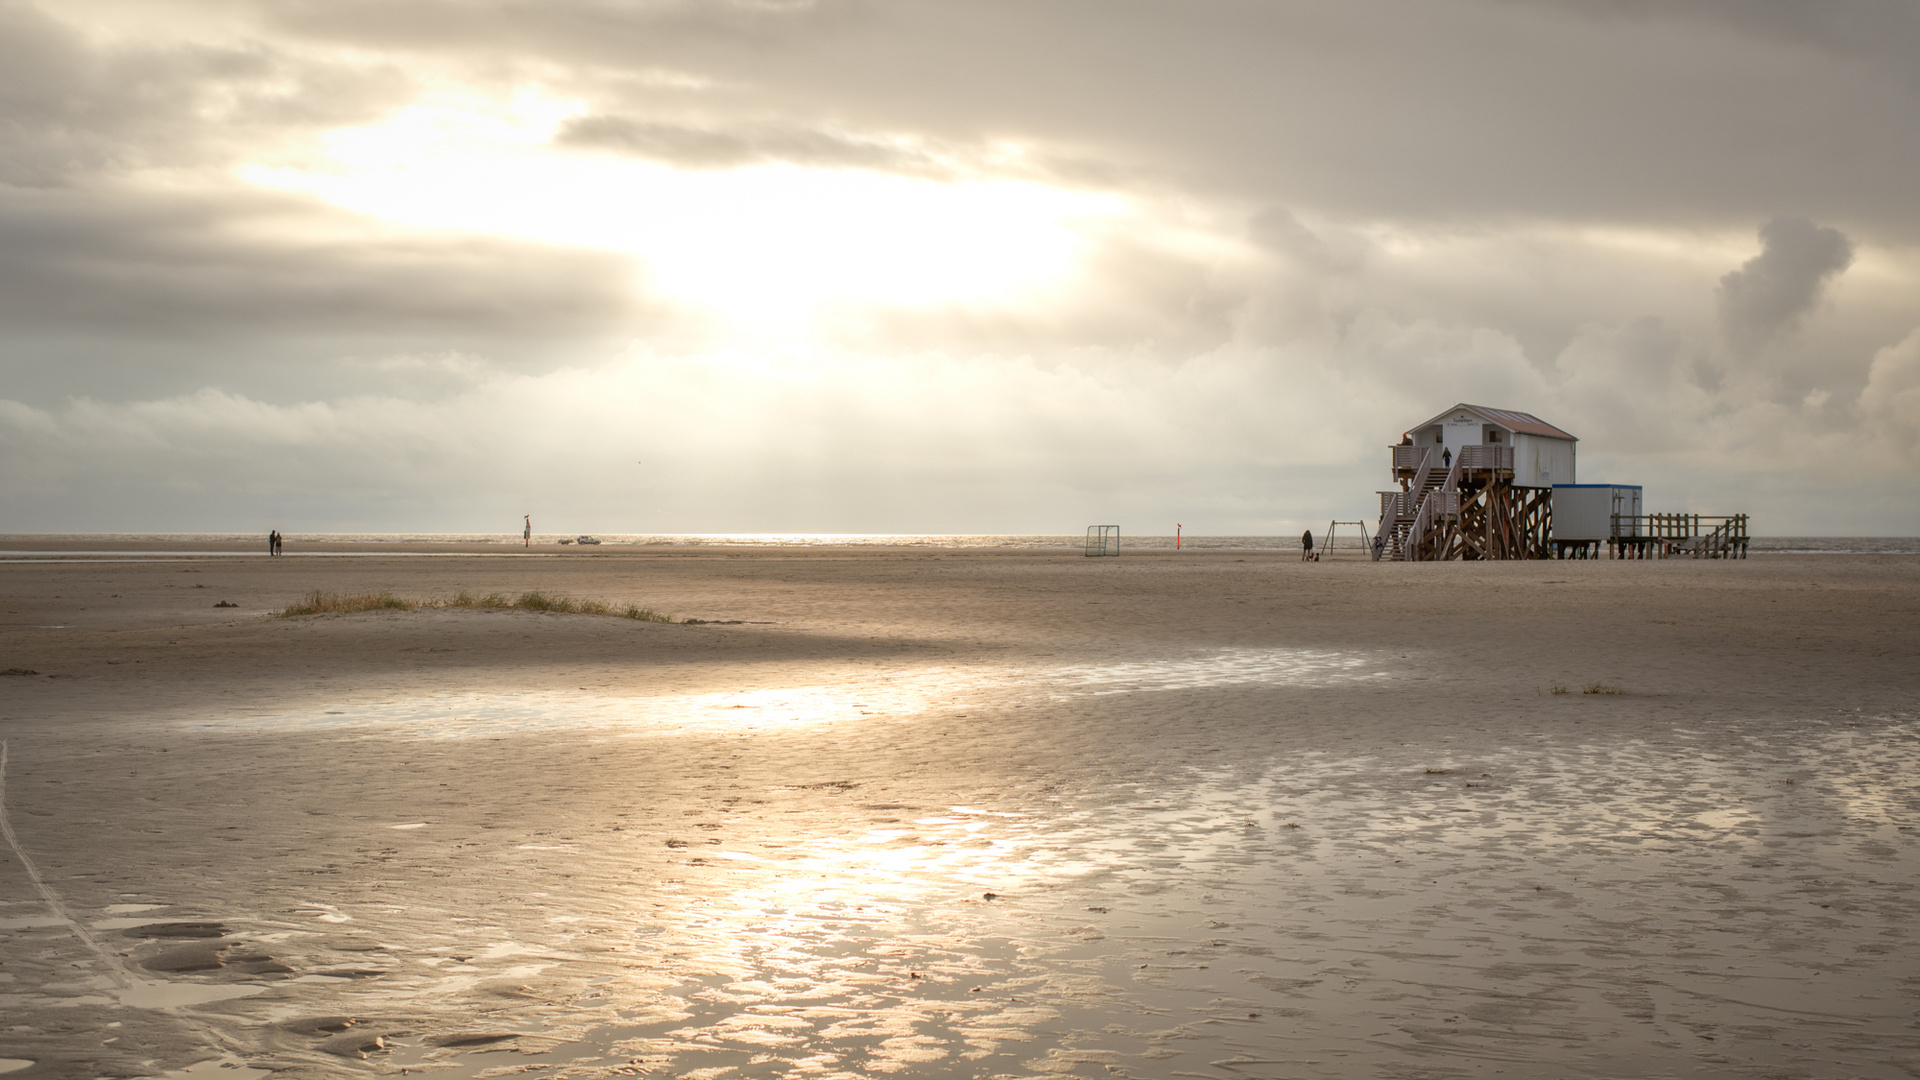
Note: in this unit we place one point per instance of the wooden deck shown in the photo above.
(1667, 536)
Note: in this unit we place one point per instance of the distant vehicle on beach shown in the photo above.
(587, 540)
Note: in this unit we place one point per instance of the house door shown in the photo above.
(1462, 429)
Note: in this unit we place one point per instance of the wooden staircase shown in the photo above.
(1469, 509)
(1402, 511)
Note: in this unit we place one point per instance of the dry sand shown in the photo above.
(1239, 817)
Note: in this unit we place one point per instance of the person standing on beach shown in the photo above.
(1306, 546)
(526, 534)
(273, 541)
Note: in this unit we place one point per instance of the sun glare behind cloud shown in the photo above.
(761, 246)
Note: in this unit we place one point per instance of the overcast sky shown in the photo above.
(944, 265)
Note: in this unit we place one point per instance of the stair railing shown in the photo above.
(1433, 504)
(1395, 507)
(1389, 517)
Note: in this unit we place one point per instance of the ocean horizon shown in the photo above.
(1769, 545)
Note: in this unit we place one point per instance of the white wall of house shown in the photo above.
(1462, 429)
(1539, 461)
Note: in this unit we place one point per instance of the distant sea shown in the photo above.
(1836, 545)
(1769, 545)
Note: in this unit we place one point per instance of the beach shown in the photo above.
(941, 811)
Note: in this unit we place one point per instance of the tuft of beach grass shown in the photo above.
(1600, 688)
(1556, 689)
(325, 603)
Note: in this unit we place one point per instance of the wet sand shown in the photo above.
(984, 813)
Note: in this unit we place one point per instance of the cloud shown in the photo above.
(129, 293)
(802, 441)
(1321, 222)
(1401, 108)
(735, 145)
(1240, 439)
(1883, 31)
(1891, 400)
(210, 266)
(1770, 293)
(77, 108)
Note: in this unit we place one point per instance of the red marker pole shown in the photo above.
(1176, 536)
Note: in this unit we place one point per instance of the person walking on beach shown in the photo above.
(526, 534)
(273, 541)
(1306, 547)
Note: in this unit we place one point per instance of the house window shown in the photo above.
(1493, 436)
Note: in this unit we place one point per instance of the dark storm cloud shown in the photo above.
(211, 268)
(1884, 30)
(1772, 291)
(1392, 107)
(610, 29)
(266, 293)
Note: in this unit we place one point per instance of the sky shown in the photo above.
(944, 266)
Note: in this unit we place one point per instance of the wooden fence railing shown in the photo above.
(1487, 456)
(1473, 455)
(1702, 536)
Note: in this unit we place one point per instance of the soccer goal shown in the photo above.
(1103, 540)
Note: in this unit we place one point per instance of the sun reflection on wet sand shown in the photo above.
(1319, 915)
(1223, 667)
(857, 695)
(1666, 901)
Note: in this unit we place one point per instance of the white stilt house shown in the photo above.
(1474, 483)
(1543, 455)
(1481, 483)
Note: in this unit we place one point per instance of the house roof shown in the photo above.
(1512, 420)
